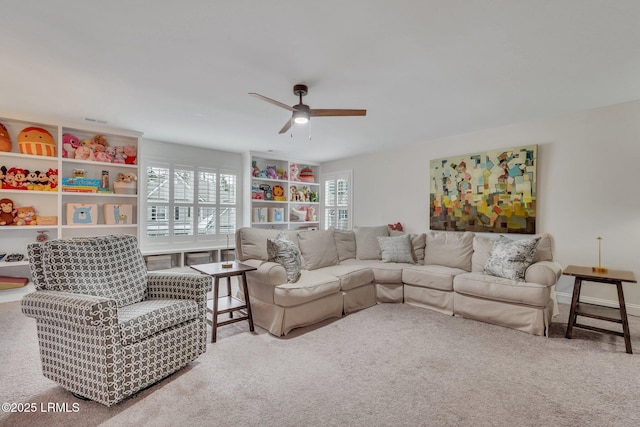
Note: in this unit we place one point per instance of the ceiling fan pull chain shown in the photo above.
(309, 124)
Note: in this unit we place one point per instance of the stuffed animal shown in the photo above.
(131, 155)
(53, 179)
(103, 156)
(99, 143)
(271, 172)
(32, 180)
(9, 178)
(282, 174)
(295, 194)
(70, 143)
(293, 172)
(84, 152)
(119, 156)
(6, 212)
(3, 173)
(25, 215)
(395, 227)
(306, 174)
(38, 141)
(20, 178)
(278, 193)
(254, 169)
(5, 139)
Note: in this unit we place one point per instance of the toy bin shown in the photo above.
(121, 187)
(82, 213)
(118, 214)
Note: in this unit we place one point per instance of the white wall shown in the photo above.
(588, 186)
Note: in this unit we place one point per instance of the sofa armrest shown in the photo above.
(179, 286)
(267, 276)
(70, 308)
(545, 273)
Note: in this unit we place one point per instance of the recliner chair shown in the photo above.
(106, 327)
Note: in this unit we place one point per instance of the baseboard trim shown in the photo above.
(565, 298)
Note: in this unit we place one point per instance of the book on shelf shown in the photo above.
(12, 282)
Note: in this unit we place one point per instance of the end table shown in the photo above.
(594, 311)
(227, 304)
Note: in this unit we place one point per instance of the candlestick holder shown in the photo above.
(599, 268)
(226, 263)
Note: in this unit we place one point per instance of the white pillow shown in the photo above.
(511, 258)
(396, 249)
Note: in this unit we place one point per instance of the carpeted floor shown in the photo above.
(389, 365)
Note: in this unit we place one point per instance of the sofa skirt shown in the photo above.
(433, 299)
(359, 298)
(533, 320)
(390, 292)
(280, 321)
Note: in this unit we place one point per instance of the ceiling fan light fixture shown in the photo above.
(300, 117)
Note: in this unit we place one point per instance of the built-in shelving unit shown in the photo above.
(282, 199)
(50, 202)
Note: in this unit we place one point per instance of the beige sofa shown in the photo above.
(344, 272)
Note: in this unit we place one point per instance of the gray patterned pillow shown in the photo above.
(511, 258)
(283, 251)
(396, 249)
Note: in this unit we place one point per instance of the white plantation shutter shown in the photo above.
(337, 200)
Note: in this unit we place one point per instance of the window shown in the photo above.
(192, 202)
(337, 200)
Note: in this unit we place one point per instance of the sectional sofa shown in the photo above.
(346, 271)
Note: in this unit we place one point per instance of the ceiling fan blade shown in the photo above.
(272, 101)
(334, 112)
(286, 126)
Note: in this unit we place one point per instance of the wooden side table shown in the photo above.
(227, 304)
(594, 311)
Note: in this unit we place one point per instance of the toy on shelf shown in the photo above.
(281, 173)
(255, 170)
(52, 175)
(278, 193)
(7, 213)
(25, 215)
(5, 139)
(35, 140)
(296, 196)
(131, 155)
(293, 172)
(268, 194)
(125, 183)
(271, 172)
(70, 144)
(306, 175)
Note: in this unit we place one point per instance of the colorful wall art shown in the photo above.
(492, 191)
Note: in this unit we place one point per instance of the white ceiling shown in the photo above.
(180, 71)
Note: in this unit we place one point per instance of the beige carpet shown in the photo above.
(389, 365)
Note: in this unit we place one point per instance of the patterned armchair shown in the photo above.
(106, 327)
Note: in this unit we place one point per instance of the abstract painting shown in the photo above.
(492, 191)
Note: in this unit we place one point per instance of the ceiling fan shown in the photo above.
(302, 113)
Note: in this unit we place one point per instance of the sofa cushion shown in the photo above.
(449, 249)
(482, 246)
(318, 249)
(311, 286)
(501, 289)
(283, 251)
(105, 266)
(383, 272)
(350, 276)
(250, 242)
(367, 241)
(511, 258)
(396, 249)
(431, 276)
(345, 244)
(143, 319)
(418, 244)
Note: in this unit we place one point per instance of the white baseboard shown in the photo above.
(565, 298)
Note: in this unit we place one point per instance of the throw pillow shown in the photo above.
(283, 251)
(396, 249)
(345, 243)
(318, 249)
(367, 246)
(511, 258)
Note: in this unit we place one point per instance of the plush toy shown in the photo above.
(306, 175)
(271, 172)
(52, 174)
(38, 141)
(395, 227)
(3, 173)
(254, 169)
(131, 155)
(119, 156)
(282, 174)
(32, 180)
(6, 212)
(295, 194)
(278, 193)
(103, 156)
(5, 139)
(293, 172)
(20, 178)
(84, 152)
(9, 178)
(25, 215)
(69, 145)
(99, 143)
(311, 213)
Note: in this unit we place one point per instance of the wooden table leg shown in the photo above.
(574, 304)
(229, 293)
(247, 300)
(625, 320)
(214, 315)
